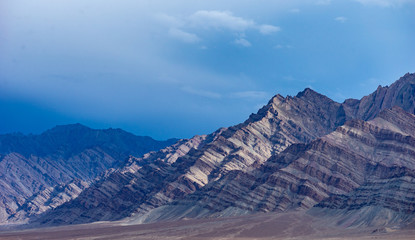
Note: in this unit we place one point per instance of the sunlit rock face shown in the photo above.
(361, 164)
(295, 153)
(162, 177)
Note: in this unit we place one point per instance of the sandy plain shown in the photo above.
(293, 225)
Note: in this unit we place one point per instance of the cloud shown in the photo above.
(340, 19)
(212, 20)
(183, 36)
(202, 93)
(385, 3)
(243, 42)
(295, 10)
(226, 20)
(268, 29)
(220, 20)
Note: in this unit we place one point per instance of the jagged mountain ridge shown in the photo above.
(236, 152)
(401, 93)
(30, 164)
(71, 139)
(242, 147)
(358, 155)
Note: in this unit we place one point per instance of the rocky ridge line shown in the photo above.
(234, 156)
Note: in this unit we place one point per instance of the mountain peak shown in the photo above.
(309, 93)
(404, 81)
(69, 127)
(401, 93)
(409, 75)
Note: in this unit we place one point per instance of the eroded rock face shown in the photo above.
(120, 192)
(388, 192)
(293, 154)
(244, 147)
(35, 164)
(48, 199)
(360, 164)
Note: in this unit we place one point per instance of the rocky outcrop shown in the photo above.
(35, 164)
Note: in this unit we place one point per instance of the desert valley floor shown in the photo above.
(293, 225)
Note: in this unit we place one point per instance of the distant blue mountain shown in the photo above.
(32, 163)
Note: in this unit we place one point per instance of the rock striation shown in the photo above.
(32, 167)
(361, 164)
(297, 152)
(244, 147)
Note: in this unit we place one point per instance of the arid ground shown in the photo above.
(297, 225)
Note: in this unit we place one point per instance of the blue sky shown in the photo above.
(180, 68)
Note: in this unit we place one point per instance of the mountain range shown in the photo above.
(40, 172)
(352, 162)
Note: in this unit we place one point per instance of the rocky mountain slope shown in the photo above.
(361, 165)
(277, 160)
(141, 187)
(35, 168)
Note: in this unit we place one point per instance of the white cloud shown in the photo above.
(243, 42)
(340, 19)
(385, 3)
(213, 20)
(220, 20)
(226, 20)
(183, 36)
(268, 29)
(295, 10)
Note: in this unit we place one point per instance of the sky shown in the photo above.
(187, 67)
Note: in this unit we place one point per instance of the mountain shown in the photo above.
(367, 168)
(288, 156)
(401, 94)
(302, 152)
(32, 166)
(154, 180)
(387, 194)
